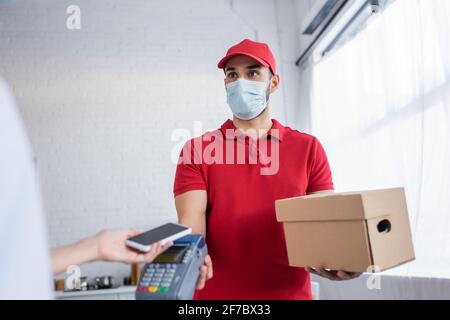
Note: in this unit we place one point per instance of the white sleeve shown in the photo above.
(25, 271)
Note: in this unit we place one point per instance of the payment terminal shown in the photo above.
(173, 274)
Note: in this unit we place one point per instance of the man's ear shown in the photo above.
(274, 83)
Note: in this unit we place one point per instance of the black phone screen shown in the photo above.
(150, 237)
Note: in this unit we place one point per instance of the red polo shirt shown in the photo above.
(245, 241)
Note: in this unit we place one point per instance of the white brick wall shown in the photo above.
(101, 103)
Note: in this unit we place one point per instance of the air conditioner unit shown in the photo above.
(319, 15)
(330, 23)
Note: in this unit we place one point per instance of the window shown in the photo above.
(381, 107)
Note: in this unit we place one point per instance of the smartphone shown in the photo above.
(165, 233)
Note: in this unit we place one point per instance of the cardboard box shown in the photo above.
(351, 231)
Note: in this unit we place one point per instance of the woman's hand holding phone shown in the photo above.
(111, 247)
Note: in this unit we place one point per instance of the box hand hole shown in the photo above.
(384, 226)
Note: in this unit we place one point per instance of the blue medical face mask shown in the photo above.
(247, 99)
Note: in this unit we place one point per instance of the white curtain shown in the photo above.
(380, 105)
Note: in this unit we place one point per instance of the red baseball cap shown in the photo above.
(256, 50)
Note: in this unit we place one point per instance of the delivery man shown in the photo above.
(232, 202)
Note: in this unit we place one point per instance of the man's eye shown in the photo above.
(253, 74)
(231, 75)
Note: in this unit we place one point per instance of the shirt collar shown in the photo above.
(277, 130)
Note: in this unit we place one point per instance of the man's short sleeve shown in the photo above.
(320, 177)
(189, 175)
